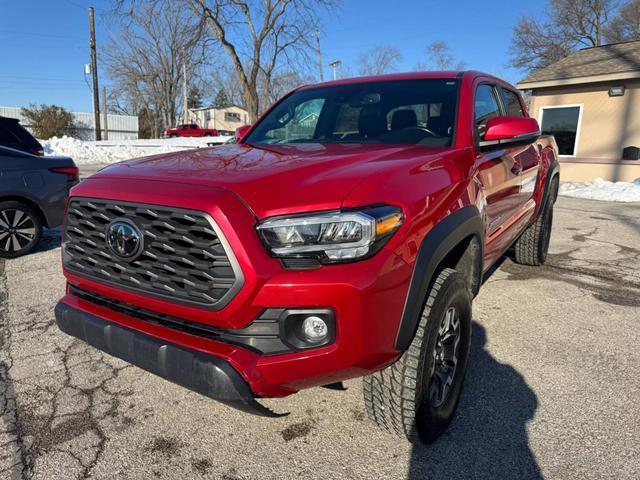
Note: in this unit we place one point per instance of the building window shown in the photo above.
(564, 124)
(232, 116)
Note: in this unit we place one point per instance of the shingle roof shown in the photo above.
(604, 60)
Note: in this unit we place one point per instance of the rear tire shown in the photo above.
(20, 229)
(533, 245)
(173, 135)
(411, 397)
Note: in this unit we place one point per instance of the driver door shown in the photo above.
(498, 173)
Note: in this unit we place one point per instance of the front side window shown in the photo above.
(486, 107)
(562, 123)
(416, 112)
(512, 103)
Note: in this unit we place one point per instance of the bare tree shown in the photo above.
(281, 84)
(439, 57)
(568, 24)
(260, 36)
(379, 60)
(535, 45)
(626, 24)
(145, 59)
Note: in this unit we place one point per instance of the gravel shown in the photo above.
(552, 390)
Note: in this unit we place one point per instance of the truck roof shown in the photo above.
(452, 74)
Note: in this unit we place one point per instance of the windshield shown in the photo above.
(415, 112)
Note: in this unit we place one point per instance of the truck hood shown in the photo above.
(277, 179)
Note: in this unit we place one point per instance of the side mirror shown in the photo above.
(241, 132)
(504, 132)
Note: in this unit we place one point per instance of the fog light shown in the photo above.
(315, 329)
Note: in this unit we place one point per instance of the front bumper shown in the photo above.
(198, 371)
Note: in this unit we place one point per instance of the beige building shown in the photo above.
(590, 101)
(224, 119)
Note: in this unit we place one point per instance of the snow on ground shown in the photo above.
(111, 151)
(600, 189)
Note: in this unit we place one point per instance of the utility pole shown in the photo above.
(94, 72)
(319, 55)
(335, 64)
(105, 113)
(186, 95)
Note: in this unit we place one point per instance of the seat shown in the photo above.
(371, 122)
(402, 119)
(440, 125)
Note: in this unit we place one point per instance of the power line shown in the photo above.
(35, 34)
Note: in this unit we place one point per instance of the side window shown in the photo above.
(512, 103)
(346, 121)
(486, 107)
(298, 125)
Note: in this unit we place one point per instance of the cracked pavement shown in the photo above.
(552, 390)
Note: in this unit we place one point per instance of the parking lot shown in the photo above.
(552, 391)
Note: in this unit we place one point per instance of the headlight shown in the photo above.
(333, 236)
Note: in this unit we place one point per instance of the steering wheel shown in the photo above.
(422, 129)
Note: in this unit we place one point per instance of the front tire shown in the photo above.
(20, 229)
(417, 396)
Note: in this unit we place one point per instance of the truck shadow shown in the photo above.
(488, 436)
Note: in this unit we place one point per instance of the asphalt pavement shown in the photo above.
(552, 391)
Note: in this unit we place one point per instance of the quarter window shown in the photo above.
(486, 107)
(512, 103)
(562, 123)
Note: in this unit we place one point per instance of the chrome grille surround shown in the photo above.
(186, 258)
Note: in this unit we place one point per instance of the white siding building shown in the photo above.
(225, 119)
(121, 127)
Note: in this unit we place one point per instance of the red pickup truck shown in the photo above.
(189, 130)
(345, 234)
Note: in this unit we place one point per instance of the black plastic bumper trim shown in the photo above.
(203, 373)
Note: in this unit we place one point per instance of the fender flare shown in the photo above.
(553, 171)
(440, 240)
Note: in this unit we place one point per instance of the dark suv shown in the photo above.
(14, 135)
(33, 191)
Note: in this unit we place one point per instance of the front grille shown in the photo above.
(184, 258)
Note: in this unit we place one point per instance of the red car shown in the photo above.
(189, 130)
(344, 235)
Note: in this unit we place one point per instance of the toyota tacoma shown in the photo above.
(343, 235)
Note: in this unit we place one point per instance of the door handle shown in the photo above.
(517, 168)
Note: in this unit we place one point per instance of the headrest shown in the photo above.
(371, 123)
(404, 119)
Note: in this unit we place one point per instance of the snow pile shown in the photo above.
(111, 151)
(600, 189)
